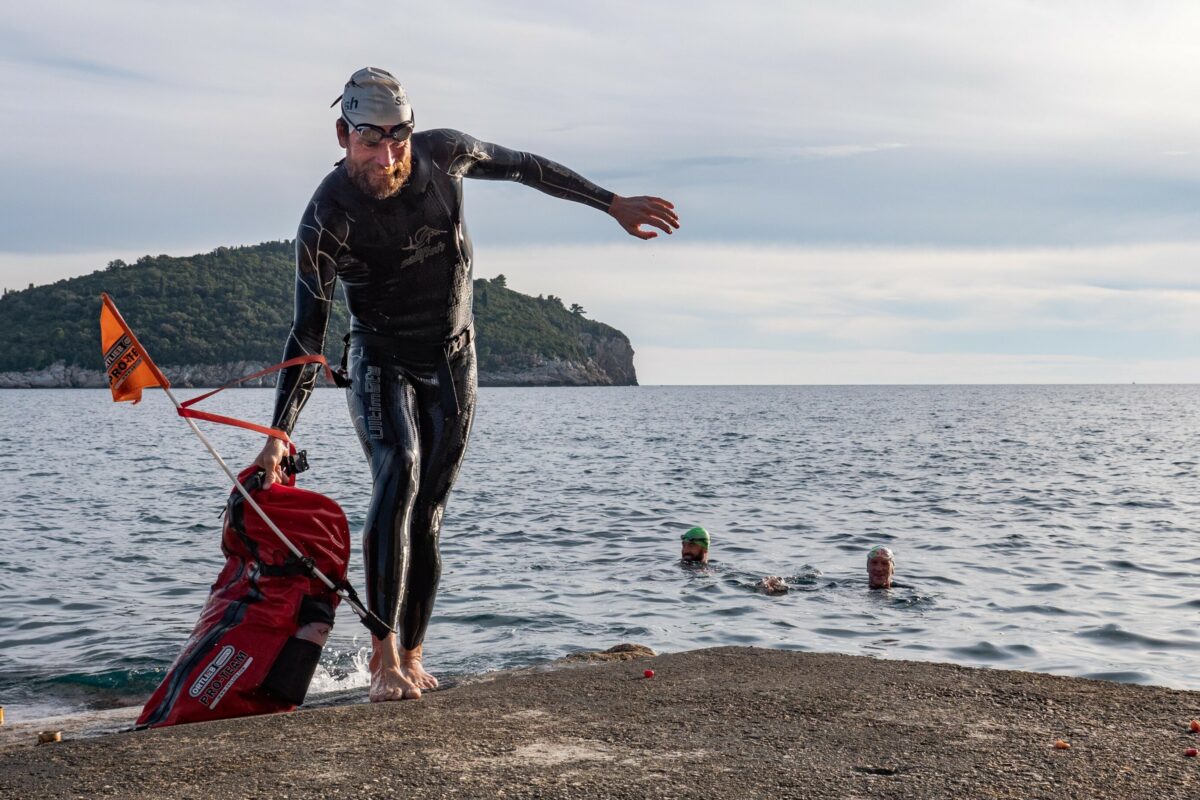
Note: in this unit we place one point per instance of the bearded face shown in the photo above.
(378, 170)
(376, 179)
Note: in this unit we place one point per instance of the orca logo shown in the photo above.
(421, 237)
(419, 244)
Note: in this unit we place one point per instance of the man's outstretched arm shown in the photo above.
(468, 157)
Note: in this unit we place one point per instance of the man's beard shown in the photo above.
(376, 182)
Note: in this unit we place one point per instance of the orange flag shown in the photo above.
(129, 368)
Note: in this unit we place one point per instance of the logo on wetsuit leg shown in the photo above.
(419, 245)
(375, 404)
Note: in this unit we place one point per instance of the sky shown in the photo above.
(870, 192)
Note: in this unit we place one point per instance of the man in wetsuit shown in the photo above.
(388, 222)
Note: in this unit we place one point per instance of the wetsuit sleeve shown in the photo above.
(465, 156)
(320, 241)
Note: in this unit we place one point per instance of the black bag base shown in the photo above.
(292, 671)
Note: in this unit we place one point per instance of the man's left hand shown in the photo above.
(634, 212)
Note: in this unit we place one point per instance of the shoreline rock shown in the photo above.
(605, 368)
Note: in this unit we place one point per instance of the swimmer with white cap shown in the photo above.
(881, 566)
(694, 548)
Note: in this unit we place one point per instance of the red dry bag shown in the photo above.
(243, 656)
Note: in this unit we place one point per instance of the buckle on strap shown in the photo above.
(454, 345)
(296, 463)
(461, 340)
(341, 375)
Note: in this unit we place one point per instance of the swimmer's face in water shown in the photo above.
(879, 572)
(693, 553)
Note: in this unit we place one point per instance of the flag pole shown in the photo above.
(270, 524)
(340, 591)
(377, 626)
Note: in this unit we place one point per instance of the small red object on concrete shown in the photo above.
(648, 673)
(1061, 745)
(1195, 726)
(1191, 752)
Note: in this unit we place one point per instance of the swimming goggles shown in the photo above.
(373, 134)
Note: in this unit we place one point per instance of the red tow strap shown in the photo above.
(185, 409)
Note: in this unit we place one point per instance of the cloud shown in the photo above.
(1020, 123)
(844, 150)
(734, 366)
(953, 181)
(1078, 308)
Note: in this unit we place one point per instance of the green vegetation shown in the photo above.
(235, 304)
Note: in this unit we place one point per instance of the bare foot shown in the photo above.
(388, 681)
(410, 666)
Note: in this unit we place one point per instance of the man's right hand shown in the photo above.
(270, 460)
(634, 212)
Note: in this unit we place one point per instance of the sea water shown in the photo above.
(1046, 528)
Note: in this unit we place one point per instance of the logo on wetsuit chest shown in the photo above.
(419, 244)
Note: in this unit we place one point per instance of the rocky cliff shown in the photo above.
(609, 362)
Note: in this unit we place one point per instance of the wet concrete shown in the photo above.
(720, 723)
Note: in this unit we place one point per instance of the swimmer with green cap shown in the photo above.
(881, 565)
(695, 546)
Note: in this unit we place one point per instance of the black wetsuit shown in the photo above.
(405, 264)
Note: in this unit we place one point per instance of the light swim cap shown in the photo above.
(697, 535)
(880, 550)
(374, 96)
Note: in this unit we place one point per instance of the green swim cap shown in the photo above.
(697, 535)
